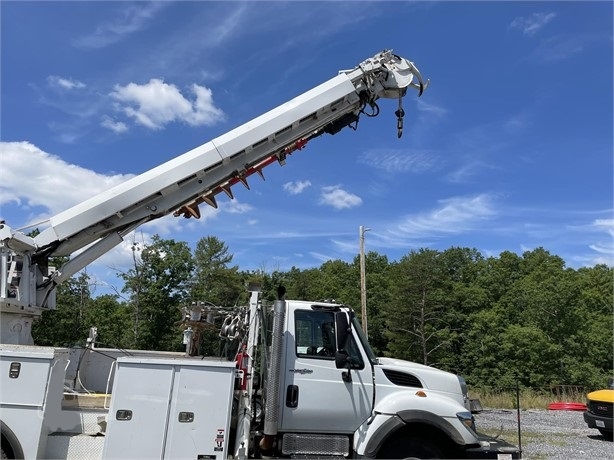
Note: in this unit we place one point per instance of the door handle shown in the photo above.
(292, 396)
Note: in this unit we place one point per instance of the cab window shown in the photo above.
(315, 334)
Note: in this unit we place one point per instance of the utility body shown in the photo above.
(304, 381)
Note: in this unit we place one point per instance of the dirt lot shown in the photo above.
(547, 434)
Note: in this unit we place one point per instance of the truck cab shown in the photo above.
(337, 398)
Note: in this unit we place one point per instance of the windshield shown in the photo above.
(363, 340)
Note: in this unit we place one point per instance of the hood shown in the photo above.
(601, 395)
(430, 377)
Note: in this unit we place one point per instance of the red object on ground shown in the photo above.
(567, 406)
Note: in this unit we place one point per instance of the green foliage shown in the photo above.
(112, 320)
(417, 308)
(214, 280)
(157, 286)
(66, 325)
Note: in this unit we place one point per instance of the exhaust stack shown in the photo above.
(271, 415)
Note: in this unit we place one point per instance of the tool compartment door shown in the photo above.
(199, 420)
(136, 426)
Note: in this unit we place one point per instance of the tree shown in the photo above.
(462, 296)
(300, 284)
(335, 280)
(215, 282)
(65, 326)
(416, 316)
(527, 354)
(593, 357)
(112, 320)
(158, 286)
(214, 279)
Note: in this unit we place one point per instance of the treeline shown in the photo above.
(495, 320)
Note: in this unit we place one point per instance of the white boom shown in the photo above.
(178, 186)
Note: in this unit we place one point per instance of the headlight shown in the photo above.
(467, 419)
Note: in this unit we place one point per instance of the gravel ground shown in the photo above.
(547, 434)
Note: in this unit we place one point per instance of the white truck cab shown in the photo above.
(337, 398)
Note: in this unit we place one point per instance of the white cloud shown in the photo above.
(606, 225)
(115, 126)
(64, 83)
(38, 178)
(430, 108)
(156, 103)
(530, 25)
(297, 187)
(604, 249)
(320, 257)
(398, 160)
(235, 207)
(338, 198)
(561, 47)
(454, 215)
(467, 171)
(130, 19)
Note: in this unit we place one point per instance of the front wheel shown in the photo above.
(411, 448)
(607, 434)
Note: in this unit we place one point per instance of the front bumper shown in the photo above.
(597, 421)
(493, 448)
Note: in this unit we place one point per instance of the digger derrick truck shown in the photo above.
(305, 381)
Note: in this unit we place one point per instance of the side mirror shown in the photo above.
(342, 325)
(342, 359)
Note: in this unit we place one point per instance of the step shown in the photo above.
(72, 446)
(82, 421)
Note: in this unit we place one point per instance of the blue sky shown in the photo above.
(510, 148)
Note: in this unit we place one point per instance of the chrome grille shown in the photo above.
(603, 409)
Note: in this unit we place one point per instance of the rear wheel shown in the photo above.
(7, 449)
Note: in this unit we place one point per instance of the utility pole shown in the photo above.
(363, 281)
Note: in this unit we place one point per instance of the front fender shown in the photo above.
(371, 435)
(437, 406)
(399, 409)
(426, 400)
(377, 433)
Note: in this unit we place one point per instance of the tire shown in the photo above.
(609, 435)
(413, 448)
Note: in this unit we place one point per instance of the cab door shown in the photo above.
(316, 397)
